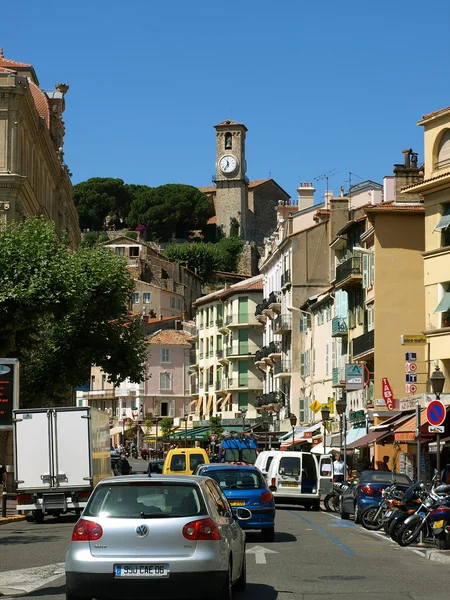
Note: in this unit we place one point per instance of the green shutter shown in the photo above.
(243, 373)
(243, 401)
(243, 310)
(243, 341)
(219, 342)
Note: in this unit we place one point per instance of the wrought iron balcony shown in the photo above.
(229, 319)
(194, 389)
(274, 348)
(259, 309)
(364, 343)
(283, 366)
(339, 327)
(219, 321)
(283, 324)
(285, 278)
(274, 300)
(258, 356)
(201, 355)
(218, 386)
(349, 272)
(219, 353)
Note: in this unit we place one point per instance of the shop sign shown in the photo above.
(9, 390)
(413, 340)
(354, 377)
(387, 393)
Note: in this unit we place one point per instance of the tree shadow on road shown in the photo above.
(59, 590)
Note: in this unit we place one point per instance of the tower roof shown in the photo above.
(7, 63)
(229, 123)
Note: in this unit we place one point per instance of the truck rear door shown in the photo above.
(33, 450)
(72, 452)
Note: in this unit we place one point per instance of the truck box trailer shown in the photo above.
(60, 456)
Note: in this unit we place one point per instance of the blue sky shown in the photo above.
(321, 86)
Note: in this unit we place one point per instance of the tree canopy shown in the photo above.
(99, 198)
(62, 312)
(169, 210)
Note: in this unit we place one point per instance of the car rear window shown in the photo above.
(269, 460)
(237, 478)
(196, 459)
(142, 500)
(178, 462)
(385, 477)
(289, 465)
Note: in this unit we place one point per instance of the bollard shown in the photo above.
(4, 503)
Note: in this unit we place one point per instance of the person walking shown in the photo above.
(338, 469)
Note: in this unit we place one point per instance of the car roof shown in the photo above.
(154, 479)
(219, 466)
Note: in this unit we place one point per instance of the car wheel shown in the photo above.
(226, 592)
(241, 583)
(38, 516)
(344, 515)
(268, 535)
(71, 596)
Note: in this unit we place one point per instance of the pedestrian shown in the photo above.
(383, 466)
(2, 474)
(338, 468)
(123, 466)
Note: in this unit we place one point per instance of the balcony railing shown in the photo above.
(364, 343)
(194, 389)
(218, 386)
(268, 399)
(351, 268)
(99, 394)
(274, 298)
(258, 356)
(200, 355)
(282, 323)
(211, 353)
(219, 321)
(339, 326)
(259, 309)
(192, 357)
(285, 278)
(338, 377)
(274, 348)
(219, 353)
(229, 319)
(284, 366)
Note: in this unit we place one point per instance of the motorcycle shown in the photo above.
(331, 500)
(431, 511)
(399, 510)
(372, 518)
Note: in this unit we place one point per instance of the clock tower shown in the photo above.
(231, 199)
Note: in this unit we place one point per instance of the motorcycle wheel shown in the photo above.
(327, 502)
(368, 519)
(443, 542)
(408, 533)
(335, 503)
(394, 527)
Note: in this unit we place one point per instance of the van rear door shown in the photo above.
(289, 474)
(325, 474)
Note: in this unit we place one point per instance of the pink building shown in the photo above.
(166, 388)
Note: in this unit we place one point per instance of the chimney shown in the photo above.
(328, 195)
(305, 193)
(406, 174)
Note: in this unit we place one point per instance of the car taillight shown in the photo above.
(266, 497)
(86, 531)
(83, 495)
(24, 499)
(202, 529)
(367, 489)
(274, 481)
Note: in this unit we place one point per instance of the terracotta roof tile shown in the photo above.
(41, 102)
(3, 70)
(6, 62)
(413, 185)
(436, 113)
(170, 337)
(396, 207)
(249, 284)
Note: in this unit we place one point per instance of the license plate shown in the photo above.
(125, 571)
(438, 524)
(237, 503)
(290, 484)
(388, 513)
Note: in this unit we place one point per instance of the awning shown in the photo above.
(355, 433)
(394, 421)
(432, 446)
(208, 405)
(368, 439)
(298, 432)
(199, 405)
(444, 304)
(115, 430)
(192, 401)
(225, 401)
(444, 221)
(319, 449)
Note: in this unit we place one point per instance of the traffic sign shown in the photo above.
(387, 393)
(411, 356)
(436, 429)
(315, 406)
(411, 378)
(213, 437)
(436, 413)
(410, 367)
(410, 388)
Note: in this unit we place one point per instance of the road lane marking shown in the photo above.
(328, 535)
(27, 580)
(260, 554)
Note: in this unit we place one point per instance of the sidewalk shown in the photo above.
(11, 512)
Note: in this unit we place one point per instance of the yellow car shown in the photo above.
(183, 461)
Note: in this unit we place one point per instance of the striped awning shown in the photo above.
(194, 401)
(208, 405)
(225, 401)
(199, 405)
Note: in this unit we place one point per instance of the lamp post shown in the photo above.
(293, 420)
(341, 405)
(156, 439)
(243, 413)
(437, 380)
(325, 416)
(265, 429)
(185, 419)
(124, 415)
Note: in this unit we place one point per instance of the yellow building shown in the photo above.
(435, 189)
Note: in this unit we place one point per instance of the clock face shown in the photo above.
(228, 164)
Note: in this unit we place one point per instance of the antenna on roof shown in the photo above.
(349, 181)
(326, 176)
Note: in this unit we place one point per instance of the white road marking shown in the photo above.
(26, 580)
(260, 554)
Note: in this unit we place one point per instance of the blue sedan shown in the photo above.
(365, 491)
(245, 487)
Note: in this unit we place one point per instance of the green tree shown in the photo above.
(198, 257)
(101, 197)
(169, 210)
(166, 427)
(216, 427)
(62, 312)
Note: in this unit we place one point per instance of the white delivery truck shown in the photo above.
(60, 456)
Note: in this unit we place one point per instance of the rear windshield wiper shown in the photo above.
(154, 515)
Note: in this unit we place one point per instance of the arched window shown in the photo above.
(443, 155)
(228, 141)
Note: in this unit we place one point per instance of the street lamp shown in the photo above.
(437, 385)
(265, 429)
(341, 406)
(325, 416)
(124, 415)
(243, 413)
(185, 419)
(293, 420)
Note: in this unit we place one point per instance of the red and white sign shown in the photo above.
(410, 367)
(411, 388)
(213, 437)
(387, 393)
(436, 413)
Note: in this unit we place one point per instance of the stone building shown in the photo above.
(252, 204)
(33, 177)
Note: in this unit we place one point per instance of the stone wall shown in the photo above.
(248, 260)
(264, 200)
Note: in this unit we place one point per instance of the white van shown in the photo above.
(300, 478)
(264, 459)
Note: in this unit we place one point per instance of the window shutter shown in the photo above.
(172, 408)
(327, 359)
(307, 361)
(372, 267)
(333, 355)
(301, 416)
(314, 361)
(302, 364)
(365, 269)
(303, 324)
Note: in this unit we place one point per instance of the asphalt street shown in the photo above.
(315, 556)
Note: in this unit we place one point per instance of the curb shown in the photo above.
(441, 556)
(6, 520)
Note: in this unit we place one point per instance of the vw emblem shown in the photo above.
(142, 530)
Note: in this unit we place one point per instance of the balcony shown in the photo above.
(102, 394)
(339, 327)
(364, 344)
(274, 350)
(274, 301)
(219, 354)
(211, 353)
(259, 312)
(194, 390)
(270, 400)
(219, 322)
(338, 377)
(243, 383)
(285, 279)
(244, 349)
(283, 324)
(228, 319)
(218, 386)
(282, 367)
(349, 273)
(201, 355)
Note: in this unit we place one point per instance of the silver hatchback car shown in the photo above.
(168, 536)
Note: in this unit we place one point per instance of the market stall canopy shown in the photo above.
(299, 437)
